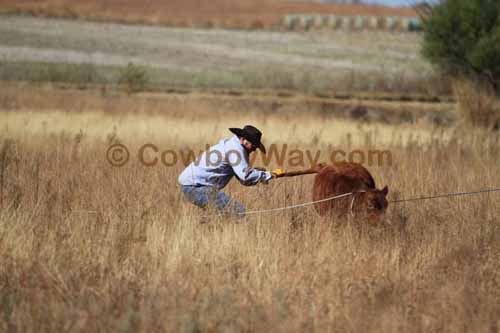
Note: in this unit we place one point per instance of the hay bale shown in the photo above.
(381, 22)
(404, 24)
(318, 21)
(357, 22)
(397, 23)
(372, 22)
(331, 21)
(343, 22)
(305, 21)
(392, 22)
(290, 22)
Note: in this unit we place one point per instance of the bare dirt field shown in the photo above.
(253, 14)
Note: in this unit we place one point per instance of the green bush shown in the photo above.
(134, 78)
(462, 38)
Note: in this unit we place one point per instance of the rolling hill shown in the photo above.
(191, 13)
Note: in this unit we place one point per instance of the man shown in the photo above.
(202, 180)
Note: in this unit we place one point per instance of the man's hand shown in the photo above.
(276, 173)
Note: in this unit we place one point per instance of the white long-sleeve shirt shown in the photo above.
(220, 163)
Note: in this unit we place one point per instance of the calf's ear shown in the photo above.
(385, 190)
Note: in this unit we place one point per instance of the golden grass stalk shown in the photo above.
(85, 246)
(477, 104)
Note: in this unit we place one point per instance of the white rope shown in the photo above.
(447, 195)
(84, 211)
(252, 212)
(263, 211)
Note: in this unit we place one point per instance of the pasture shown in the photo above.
(87, 246)
(89, 53)
(243, 14)
(90, 246)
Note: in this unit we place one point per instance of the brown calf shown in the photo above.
(344, 177)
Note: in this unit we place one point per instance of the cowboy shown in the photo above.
(203, 179)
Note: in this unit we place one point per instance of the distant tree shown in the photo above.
(462, 38)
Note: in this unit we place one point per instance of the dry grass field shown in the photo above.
(36, 49)
(247, 14)
(86, 246)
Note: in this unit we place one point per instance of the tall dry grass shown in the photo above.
(88, 247)
(477, 104)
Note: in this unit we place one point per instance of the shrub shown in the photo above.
(477, 104)
(462, 38)
(80, 74)
(134, 78)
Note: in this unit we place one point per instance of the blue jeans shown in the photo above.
(203, 196)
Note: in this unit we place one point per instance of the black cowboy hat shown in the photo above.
(252, 134)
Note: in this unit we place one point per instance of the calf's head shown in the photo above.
(370, 203)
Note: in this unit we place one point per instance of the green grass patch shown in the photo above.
(140, 78)
(81, 74)
(135, 78)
